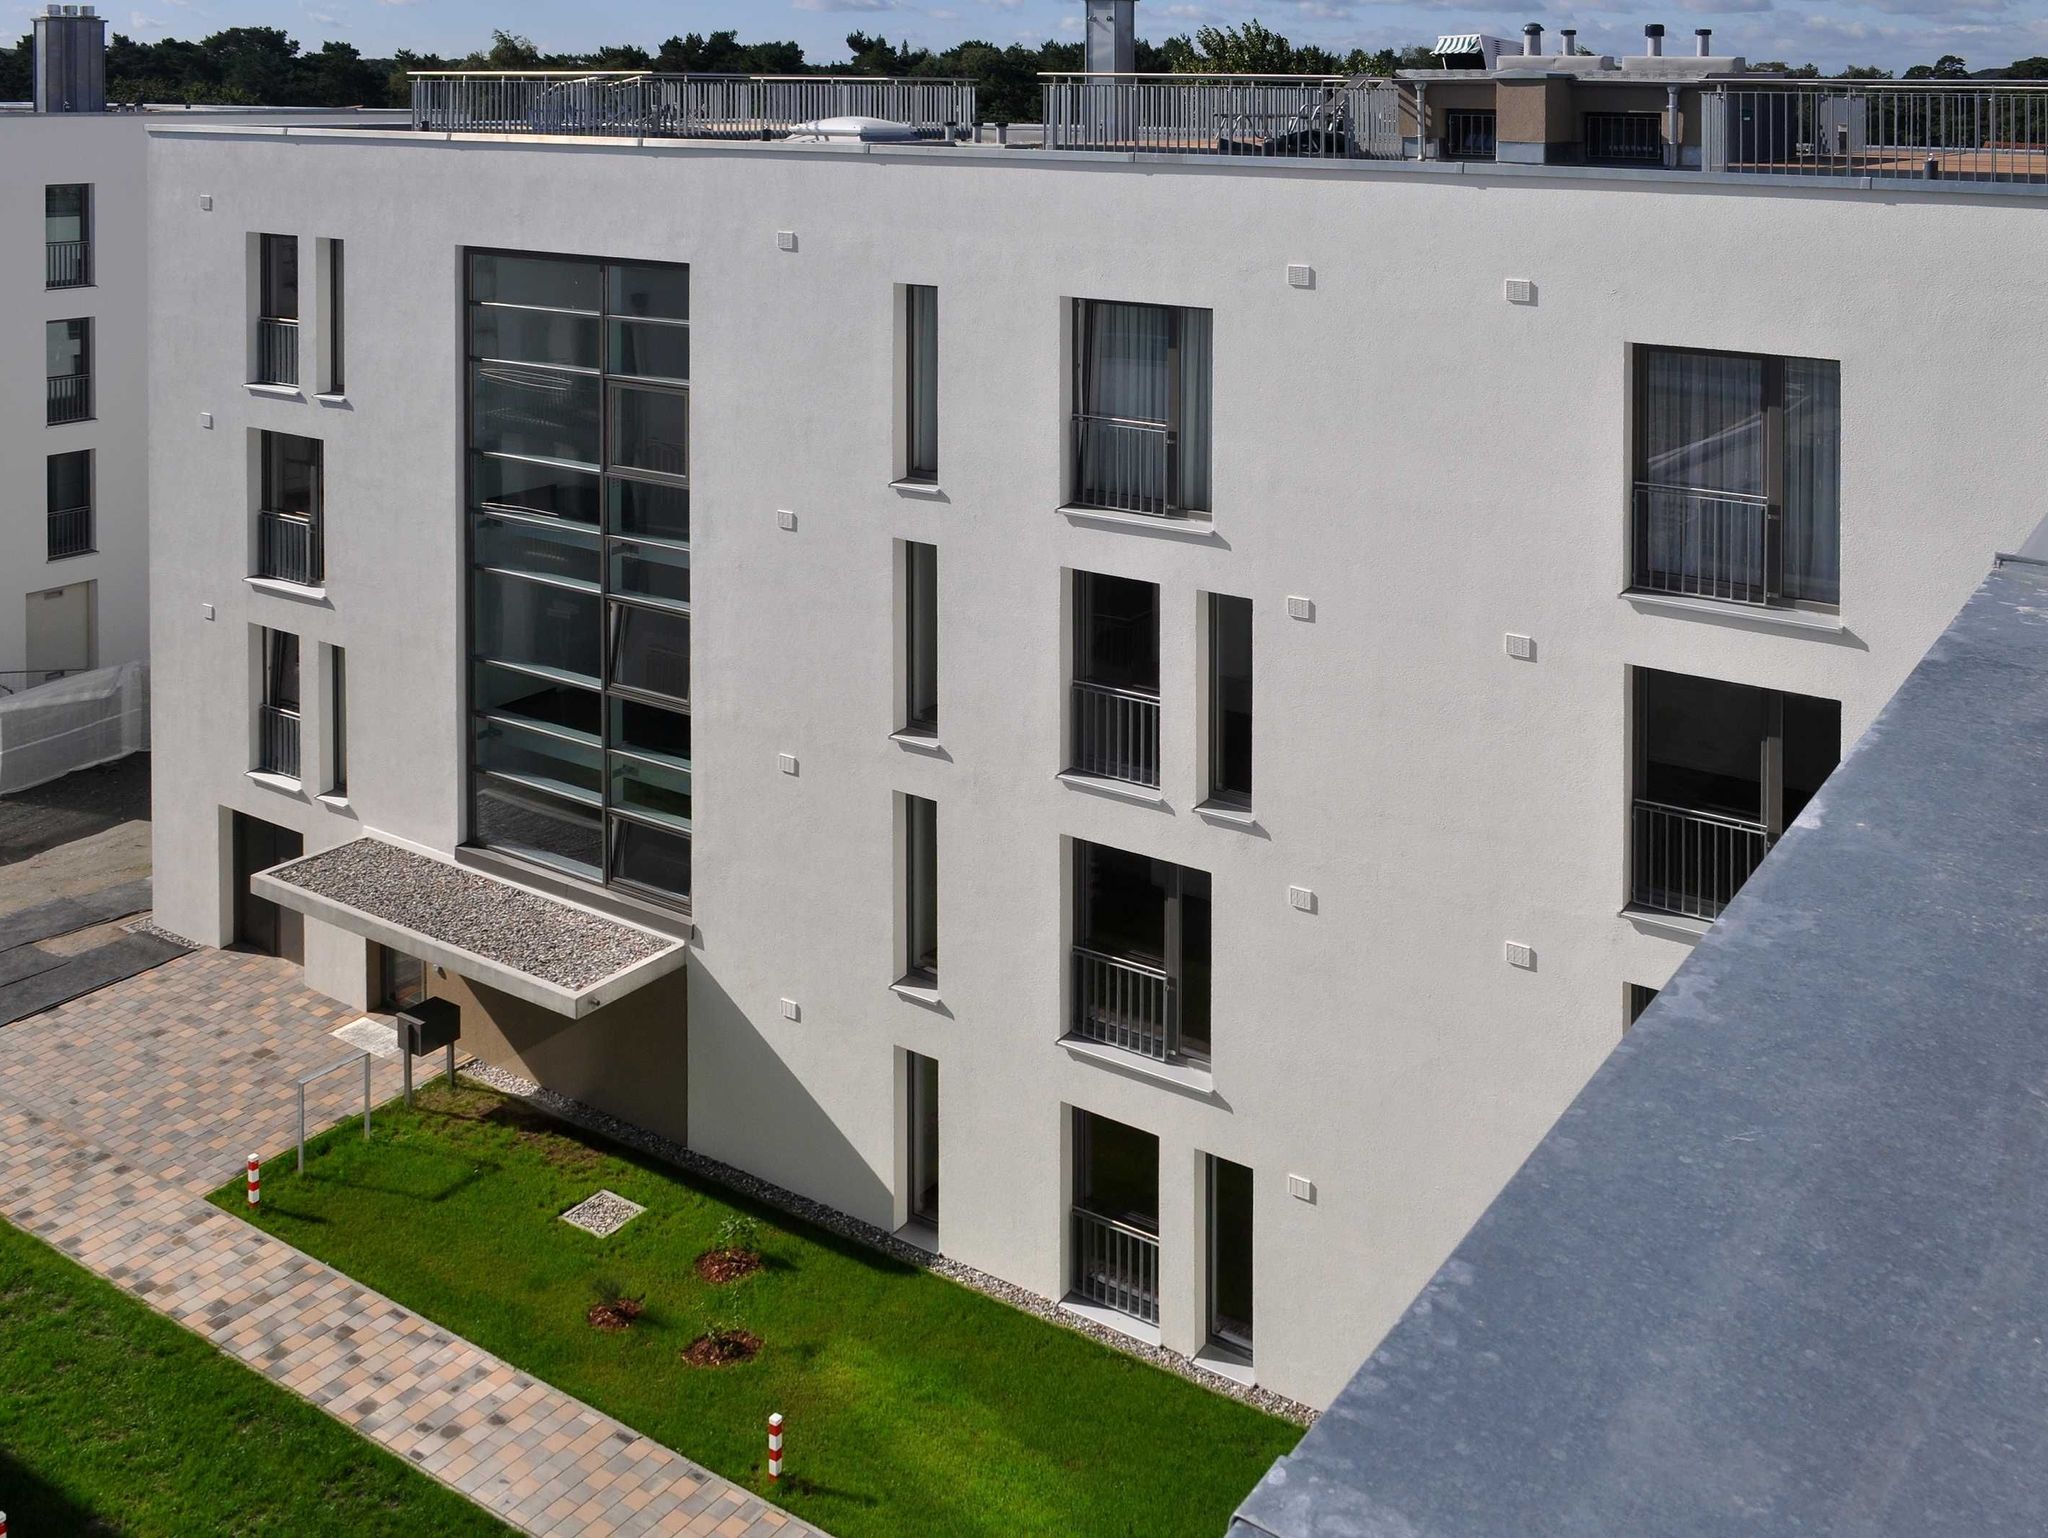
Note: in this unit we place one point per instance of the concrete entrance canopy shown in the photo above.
(558, 955)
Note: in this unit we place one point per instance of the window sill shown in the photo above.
(1227, 812)
(330, 397)
(1809, 620)
(73, 422)
(924, 995)
(336, 801)
(282, 392)
(919, 742)
(278, 587)
(70, 555)
(279, 782)
(909, 487)
(1674, 924)
(1226, 1362)
(1121, 790)
(920, 1235)
(1199, 528)
(1110, 1319)
(1187, 1078)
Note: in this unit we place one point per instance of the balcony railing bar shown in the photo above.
(1126, 466)
(67, 263)
(70, 532)
(642, 105)
(1891, 132)
(277, 741)
(1312, 117)
(1125, 1004)
(1707, 544)
(1116, 1265)
(277, 351)
(1116, 733)
(1690, 862)
(70, 398)
(288, 548)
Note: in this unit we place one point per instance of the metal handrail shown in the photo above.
(277, 350)
(67, 263)
(69, 532)
(644, 103)
(320, 1073)
(1692, 862)
(1116, 1265)
(1703, 543)
(1922, 130)
(1116, 732)
(288, 547)
(1125, 1004)
(69, 398)
(277, 741)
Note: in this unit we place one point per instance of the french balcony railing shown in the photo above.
(1116, 733)
(1125, 1004)
(277, 741)
(1126, 466)
(1707, 544)
(1116, 1265)
(288, 548)
(67, 263)
(1312, 117)
(70, 532)
(70, 398)
(637, 104)
(1895, 131)
(1693, 863)
(277, 351)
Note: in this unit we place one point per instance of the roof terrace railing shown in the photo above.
(1304, 116)
(1896, 130)
(636, 104)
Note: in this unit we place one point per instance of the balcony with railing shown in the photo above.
(288, 548)
(638, 104)
(1116, 733)
(1707, 544)
(69, 398)
(1692, 863)
(1116, 1265)
(67, 263)
(1126, 466)
(277, 351)
(1125, 1004)
(277, 741)
(70, 532)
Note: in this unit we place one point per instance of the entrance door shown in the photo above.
(924, 1140)
(60, 630)
(1230, 1254)
(260, 924)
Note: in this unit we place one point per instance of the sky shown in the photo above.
(1831, 33)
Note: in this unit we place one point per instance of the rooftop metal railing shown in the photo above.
(1331, 117)
(1896, 130)
(637, 104)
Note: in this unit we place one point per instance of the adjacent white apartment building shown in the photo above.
(74, 498)
(1318, 616)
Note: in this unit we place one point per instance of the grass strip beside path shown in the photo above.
(914, 1405)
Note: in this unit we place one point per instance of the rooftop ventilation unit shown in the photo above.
(1112, 37)
(71, 60)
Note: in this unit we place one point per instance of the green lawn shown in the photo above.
(115, 1420)
(914, 1405)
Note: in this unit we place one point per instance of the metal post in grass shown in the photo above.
(321, 1073)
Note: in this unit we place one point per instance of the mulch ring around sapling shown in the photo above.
(614, 1310)
(736, 1254)
(722, 1348)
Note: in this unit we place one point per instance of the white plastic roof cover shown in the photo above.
(50, 730)
(864, 130)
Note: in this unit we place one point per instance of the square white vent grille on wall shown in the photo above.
(1301, 1188)
(1520, 955)
(1300, 275)
(1520, 291)
(1301, 608)
(1522, 647)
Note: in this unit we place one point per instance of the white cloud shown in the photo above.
(843, 5)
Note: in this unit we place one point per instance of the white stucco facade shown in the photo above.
(1433, 468)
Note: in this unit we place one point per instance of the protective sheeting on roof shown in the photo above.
(559, 955)
(52, 729)
(1779, 1267)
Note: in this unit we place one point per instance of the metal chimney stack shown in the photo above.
(1653, 37)
(71, 60)
(1112, 37)
(1532, 39)
(1703, 38)
(1569, 41)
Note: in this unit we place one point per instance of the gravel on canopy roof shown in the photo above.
(527, 931)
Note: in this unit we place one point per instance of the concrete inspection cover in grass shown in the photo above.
(603, 1214)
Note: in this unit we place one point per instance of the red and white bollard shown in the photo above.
(255, 1200)
(774, 1455)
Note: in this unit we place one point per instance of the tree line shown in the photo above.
(266, 66)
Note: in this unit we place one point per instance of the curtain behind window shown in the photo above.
(1813, 480)
(1127, 394)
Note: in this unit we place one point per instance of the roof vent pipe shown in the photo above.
(1112, 37)
(1569, 41)
(1653, 38)
(1703, 38)
(1532, 39)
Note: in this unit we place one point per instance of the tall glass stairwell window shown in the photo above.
(1738, 477)
(579, 497)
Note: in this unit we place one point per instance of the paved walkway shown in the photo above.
(118, 1112)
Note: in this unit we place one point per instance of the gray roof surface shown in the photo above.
(1782, 1267)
